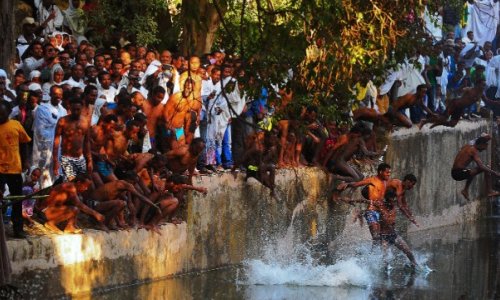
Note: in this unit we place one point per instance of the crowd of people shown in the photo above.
(117, 133)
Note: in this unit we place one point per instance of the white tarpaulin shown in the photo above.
(409, 76)
(483, 20)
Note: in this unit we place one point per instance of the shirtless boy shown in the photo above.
(110, 198)
(100, 134)
(376, 191)
(336, 159)
(177, 115)
(394, 113)
(388, 235)
(465, 156)
(387, 222)
(401, 186)
(63, 204)
(168, 203)
(184, 158)
(456, 107)
(72, 133)
(153, 109)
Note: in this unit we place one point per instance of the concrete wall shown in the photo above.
(429, 155)
(236, 220)
(233, 222)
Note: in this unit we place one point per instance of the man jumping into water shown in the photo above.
(465, 156)
(388, 235)
(376, 191)
(401, 186)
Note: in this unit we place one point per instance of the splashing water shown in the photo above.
(289, 263)
(348, 272)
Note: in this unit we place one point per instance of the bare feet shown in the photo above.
(72, 229)
(176, 221)
(53, 228)
(102, 227)
(125, 226)
(465, 193)
(420, 125)
(153, 228)
(112, 226)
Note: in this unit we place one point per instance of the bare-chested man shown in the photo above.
(394, 114)
(194, 75)
(118, 141)
(388, 233)
(72, 133)
(177, 186)
(153, 109)
(110, 199)
(259, 160)
(63, 204)
(371, 115)
(376, 190)
(184, 157)
(456, 107)
(401, 187)
(181, 115)
(465, 156)
(89, 98)
(336, 159)
(100, 134)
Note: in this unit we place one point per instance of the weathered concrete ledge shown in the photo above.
(237, 220)
(231, 223)
(429, 154)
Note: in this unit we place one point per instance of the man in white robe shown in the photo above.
(44, 125)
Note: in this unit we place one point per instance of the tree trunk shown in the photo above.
(200, 21)
(7, 38)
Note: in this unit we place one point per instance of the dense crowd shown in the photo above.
(118, 132)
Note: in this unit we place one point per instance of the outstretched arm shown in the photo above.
(73, 197)
(403, 206)
(130, 188)
(482, 166)
(194, 188)
(362, 182)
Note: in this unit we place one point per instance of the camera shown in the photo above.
(167, 67)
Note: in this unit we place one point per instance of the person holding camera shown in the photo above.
(163, 73)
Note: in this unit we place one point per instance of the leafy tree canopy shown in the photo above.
(329, 45)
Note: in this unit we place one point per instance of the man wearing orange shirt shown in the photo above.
(12, 135)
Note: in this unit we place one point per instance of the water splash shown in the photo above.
(348, 272)
(287, 264)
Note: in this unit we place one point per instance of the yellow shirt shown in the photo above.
(12, 134)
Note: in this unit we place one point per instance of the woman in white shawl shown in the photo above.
(75, 18)
(56, 77)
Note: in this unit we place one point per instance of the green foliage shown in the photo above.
(137, 19)
(330, 45)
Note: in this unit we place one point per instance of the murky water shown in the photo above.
(465, 260)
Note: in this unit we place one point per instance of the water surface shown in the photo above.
(465, 259)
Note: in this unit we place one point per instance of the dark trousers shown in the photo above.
(202, 159)
(15, 184)
(238, 138)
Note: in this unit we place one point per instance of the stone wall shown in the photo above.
(429, 155)
(237, 219)
(233, 222)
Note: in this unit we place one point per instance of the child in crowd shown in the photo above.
(31, 185)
